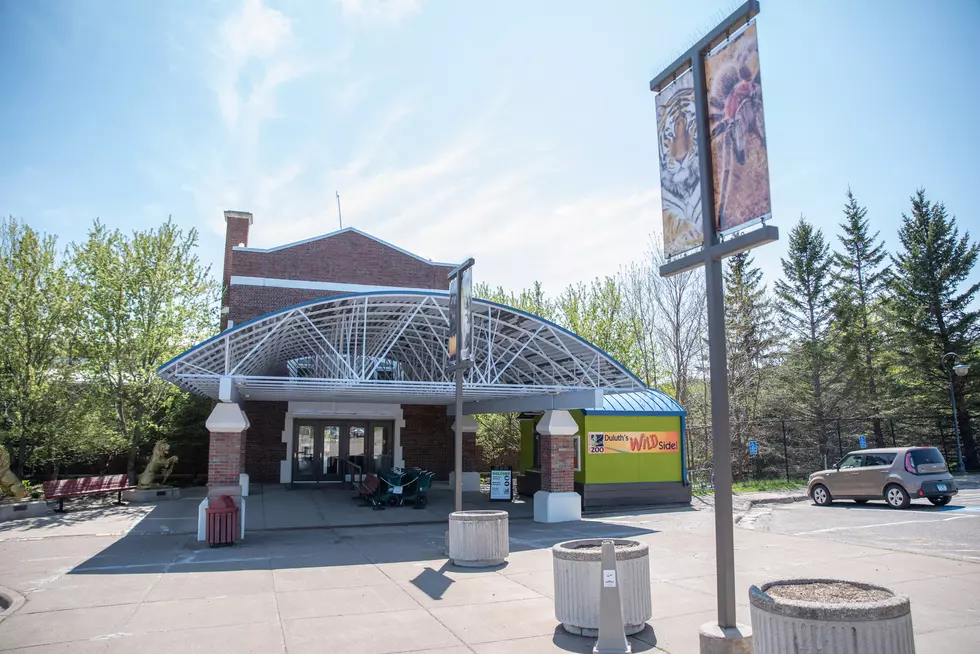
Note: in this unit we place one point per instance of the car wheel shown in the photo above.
(942, 500)
(897, 497)
(821, 496)
(860, 501)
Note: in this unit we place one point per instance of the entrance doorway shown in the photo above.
(327, 450)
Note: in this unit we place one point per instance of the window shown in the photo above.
(578, 452)
(851, 461)
(872, 460)
(926, 455)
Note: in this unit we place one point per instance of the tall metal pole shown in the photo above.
(458, 467)
(340, 216)
(956, 425)
(718, 361)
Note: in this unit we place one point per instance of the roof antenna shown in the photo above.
(340, 216)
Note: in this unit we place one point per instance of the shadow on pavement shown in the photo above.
(328, 547)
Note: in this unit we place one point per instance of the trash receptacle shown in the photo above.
(222, 521)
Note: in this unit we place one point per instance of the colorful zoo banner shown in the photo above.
(740, 164)
(680, 174)
(634, 442)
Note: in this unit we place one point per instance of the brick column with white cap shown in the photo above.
(226, 458)
(557, 500)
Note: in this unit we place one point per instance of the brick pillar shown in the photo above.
(226, 458)
(557, 463)
(557, 500)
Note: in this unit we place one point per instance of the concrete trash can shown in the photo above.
(577, 565)
(811, 616)
(478, 539)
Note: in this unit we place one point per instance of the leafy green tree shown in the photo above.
(933, 312)
(147, 298)
(858, 336)
(805, 306)
(37, 312)
(596, 313)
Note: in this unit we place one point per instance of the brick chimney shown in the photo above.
(236, 233)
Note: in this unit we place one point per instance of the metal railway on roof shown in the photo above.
(391, 347)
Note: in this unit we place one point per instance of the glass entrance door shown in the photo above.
(340, 450)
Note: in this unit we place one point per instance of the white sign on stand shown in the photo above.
(501, 485)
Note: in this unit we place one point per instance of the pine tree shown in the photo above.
(751, 337)
(930, 313)
(861, 283)
(806, 310)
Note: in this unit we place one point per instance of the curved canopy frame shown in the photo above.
(391, 346)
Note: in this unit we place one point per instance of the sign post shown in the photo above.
(717, 103)
(460, 353)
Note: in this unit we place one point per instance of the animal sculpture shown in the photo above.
(160, 463)
(9, 483)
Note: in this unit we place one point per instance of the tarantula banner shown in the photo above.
(738, 134)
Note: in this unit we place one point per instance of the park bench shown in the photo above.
(63, 489)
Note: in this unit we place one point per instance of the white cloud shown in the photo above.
(260, 37)
(389, 10)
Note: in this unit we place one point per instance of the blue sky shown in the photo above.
(520, 133)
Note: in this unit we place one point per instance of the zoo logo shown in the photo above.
(597, 444)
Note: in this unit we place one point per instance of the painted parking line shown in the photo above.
(882, 524)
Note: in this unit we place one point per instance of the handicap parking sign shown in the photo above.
(862, 442)
(753, 448)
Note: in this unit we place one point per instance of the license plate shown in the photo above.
(941, 487)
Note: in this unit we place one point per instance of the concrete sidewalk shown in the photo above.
(390, 589)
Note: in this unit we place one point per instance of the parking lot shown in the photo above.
(951, 531)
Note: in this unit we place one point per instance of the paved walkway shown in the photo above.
(390, 589)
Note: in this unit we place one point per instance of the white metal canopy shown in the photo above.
(391, 347)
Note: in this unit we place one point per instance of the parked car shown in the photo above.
(894, 474)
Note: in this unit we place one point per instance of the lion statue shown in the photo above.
(159, 463)
(8, 480)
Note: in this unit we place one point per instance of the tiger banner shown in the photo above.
(739, 161)
(634, 442)
(680, 174)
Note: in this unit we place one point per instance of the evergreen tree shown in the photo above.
(931, 313)
(861, 283)
(806, 310)
(751, 338)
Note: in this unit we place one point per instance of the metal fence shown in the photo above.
(793, 448)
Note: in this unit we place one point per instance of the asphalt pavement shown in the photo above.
(952, 531)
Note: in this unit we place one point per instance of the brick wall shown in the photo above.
(557, 463)
(347, 257)
(249, 302)
(225, 458)
(428, 441)
(265, 449)
(236, 232)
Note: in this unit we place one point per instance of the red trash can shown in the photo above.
(221, 519)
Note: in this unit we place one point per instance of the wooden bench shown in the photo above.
(63, 489)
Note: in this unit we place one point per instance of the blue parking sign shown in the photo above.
(862, 442)
(753, 448)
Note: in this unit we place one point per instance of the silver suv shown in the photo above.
(894, 474)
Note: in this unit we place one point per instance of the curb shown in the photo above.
(13, 599)
(788, 499)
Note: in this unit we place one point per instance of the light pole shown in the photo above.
(960, 369)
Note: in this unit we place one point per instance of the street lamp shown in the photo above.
(960, 369)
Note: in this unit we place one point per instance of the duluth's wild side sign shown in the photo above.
(634, 442)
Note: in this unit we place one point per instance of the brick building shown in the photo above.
(332, 364)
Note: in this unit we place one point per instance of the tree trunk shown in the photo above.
(133, 451)
(21, 454)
